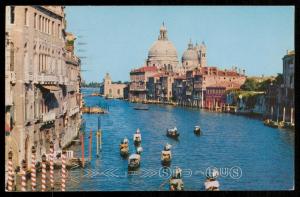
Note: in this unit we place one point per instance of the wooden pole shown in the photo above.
(44, 173)
(33, 170)
(272, 112)
(100, 138)
(10, 172)
(51, 165)
(63, 171)
(292, 115)
(90, 145)
(277, 113)
(97, 140)
(283, 118)
(82, 149)
(23, 180)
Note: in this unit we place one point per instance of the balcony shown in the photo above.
(73, 110)
(66, 80)
(197, 85)
(11, 76)
(46, 78)
(61, 79)
(47, 117)
(28, 77)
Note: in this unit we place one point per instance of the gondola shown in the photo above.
(134, 162)
(197, 130)
(173, 133)
(124, 148)
(166, 155)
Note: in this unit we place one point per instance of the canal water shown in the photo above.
(249, 155)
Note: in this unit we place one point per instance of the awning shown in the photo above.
(52, 88)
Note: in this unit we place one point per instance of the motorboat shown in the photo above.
(173, 133)
(141, 107)
(124, 148)
(197, 130)
(137, 137)
(134, 162)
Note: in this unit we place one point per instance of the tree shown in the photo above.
(263, 86)
(250, 85)
(279, 79)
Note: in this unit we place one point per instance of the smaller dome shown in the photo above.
(190, 55)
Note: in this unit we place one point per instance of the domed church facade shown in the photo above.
(163, 54)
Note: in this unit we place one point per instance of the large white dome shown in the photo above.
(162, 50)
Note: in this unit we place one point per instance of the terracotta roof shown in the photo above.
(145, 69)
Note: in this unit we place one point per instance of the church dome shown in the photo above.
(163, 49)
(190, 54)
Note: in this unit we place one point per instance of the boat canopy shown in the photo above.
(134, 156)
(168, 146)
(197, 127)
(209, 184)
(138, 131)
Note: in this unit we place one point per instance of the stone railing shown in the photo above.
(11, 76)
(50, 116)
(46, 78)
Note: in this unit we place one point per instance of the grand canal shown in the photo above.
(251, 155)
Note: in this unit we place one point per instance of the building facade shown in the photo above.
(42, 82)
(165, 79)
(110, 89)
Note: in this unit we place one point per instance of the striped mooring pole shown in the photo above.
(10, 181)
(63, 170)
(44, 172)
(33, 170)
(82, 149)
(90, 145)
(51, 165)
(23, 180)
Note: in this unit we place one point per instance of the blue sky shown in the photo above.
(118, 38)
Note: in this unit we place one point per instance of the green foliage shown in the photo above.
(91, 84)
(253, 85)
(250, 85)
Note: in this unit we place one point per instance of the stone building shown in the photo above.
(138, 82)
(162, 53)
(163, 70)
(280, 99)
(42, 82)
(112, 90)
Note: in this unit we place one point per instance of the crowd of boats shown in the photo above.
(175, 181)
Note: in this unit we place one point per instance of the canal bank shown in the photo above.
(265, 155)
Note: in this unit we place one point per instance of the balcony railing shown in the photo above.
(28, 77)
(46, 78)
(11, 76)
(50, 116)
(73, 110)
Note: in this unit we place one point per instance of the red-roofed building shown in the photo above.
(138, 82)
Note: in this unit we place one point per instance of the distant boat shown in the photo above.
(137, 137)
(124, 149)
(197, 130)
(141, 107)
(134, 162)
(166, 155)
(173, 133)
